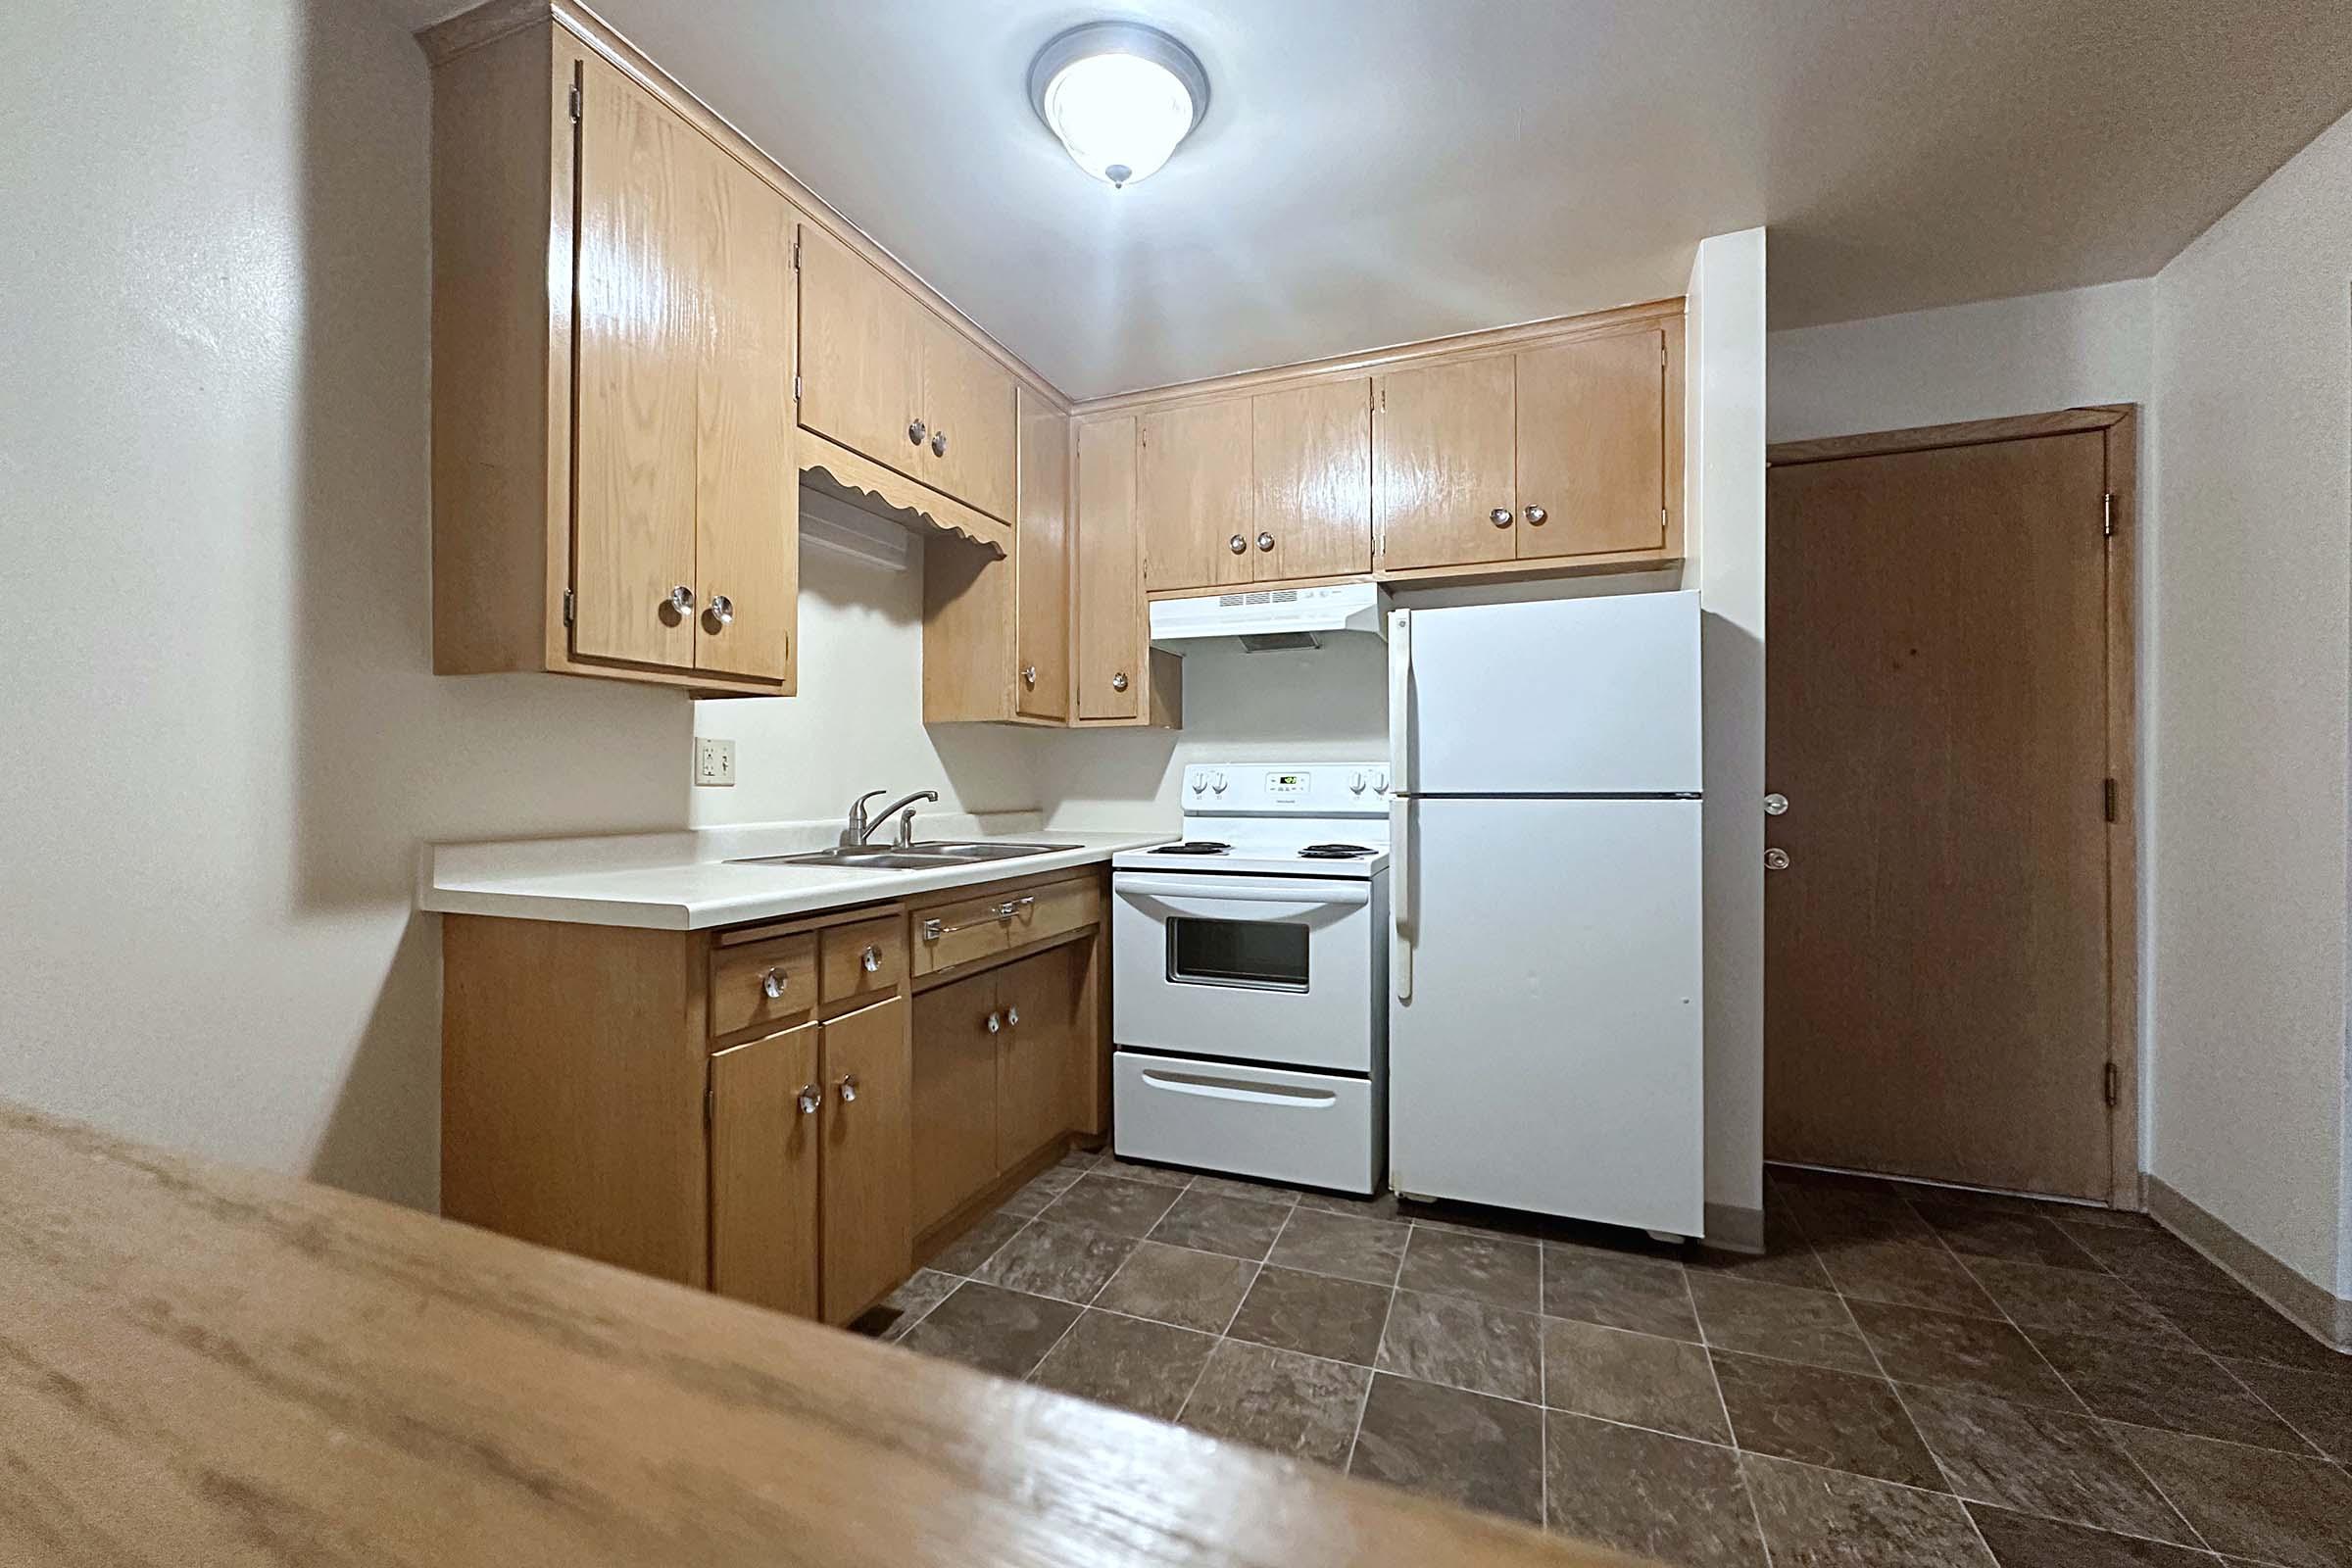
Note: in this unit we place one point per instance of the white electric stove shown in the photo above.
(1249, 978)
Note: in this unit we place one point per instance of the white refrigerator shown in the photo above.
(1545, 1030)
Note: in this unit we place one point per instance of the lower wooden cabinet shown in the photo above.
(865, 1175)
(765, 1224)
(998, 1061)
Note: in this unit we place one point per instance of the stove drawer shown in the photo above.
(1308, 1129)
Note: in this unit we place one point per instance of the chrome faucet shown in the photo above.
(861, 826)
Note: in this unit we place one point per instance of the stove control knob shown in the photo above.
(1200, 782)
(1356, 784)
(1380, 782)
(1217, 782)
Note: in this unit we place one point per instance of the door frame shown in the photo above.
(2118, 424)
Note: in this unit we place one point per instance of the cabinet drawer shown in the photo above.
(957, 933)
(762, 985)
(867, 957)
(1038, 913)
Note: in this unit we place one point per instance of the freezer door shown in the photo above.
(1562, 696)
(1548, 1057)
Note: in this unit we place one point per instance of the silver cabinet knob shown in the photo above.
(679, 605)
(871, 961)
(996, 1023)
(1535, 516)
(1776, 860)
(1501, 516)
(1118, 681)
(1012, 1015)
(1265, 541)
(772, 984)
(719, 614)
(810, 1097)
(848, 1086)
(1776, 804)
(1237, 544)
(1028, 675)
(939, 443)
(914, 432)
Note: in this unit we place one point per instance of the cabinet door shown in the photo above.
(969, 406)
(1113, 629)
(1194, 495)
(764, 1223)
(1442, 444)
(954, 1095)
(860, 363)
(747, 476)
(1037, 1071)
(868, 1157)
(639, 334)
(1592, 425)
(1042, 557)
(1313, 449)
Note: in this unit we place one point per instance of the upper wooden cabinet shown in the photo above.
(1446, 442)
(890, 379)
(1195, 502)
(1591, 438)
(612, 486)
(1312, 452)
(1042, 557)
(1113, 631)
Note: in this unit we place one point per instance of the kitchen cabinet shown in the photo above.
(1041, 561)
(1591, 446)
(765, 1226)
(1120, 678)
(1195, 501)
(612, 478)
(954, 1097)
(1312, 451)
(867, 1127)
(1447, 444)
(1037, 1060)
(892, 380)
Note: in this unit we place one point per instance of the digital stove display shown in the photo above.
(1280, 784)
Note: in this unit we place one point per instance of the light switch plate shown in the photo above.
(714, 761)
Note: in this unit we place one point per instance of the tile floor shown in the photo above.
(1910, 1376)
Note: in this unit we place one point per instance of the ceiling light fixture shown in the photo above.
(1120, 96)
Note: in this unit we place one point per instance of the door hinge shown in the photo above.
(796, 253)
(2114, 1087)
(795, 386)
(2107, 797)
(575, 103)
(572, 606)
(709, 1101)
(2107, 516)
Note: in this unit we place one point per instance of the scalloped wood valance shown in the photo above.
(870, 487)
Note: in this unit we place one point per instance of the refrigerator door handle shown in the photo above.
(1400, 806)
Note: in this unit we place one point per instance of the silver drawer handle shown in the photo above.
(934, 929)
(871, 961)
(772, 983)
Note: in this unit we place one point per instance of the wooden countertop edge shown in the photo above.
(203, 1363)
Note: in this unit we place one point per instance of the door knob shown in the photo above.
(848, 1086)
(939, 443)
(1501, 516)
(772, 984)
(1776, 804)
(679, 605)
(1028, 675)
(1012, 1015)
(1776, 860)
(1237, 544)
(720, 615)
(871, 961)
(1118, 681)
(1265, 541)
(914, 432)
(810, 1097)
(996, 1023)
(1535, 516)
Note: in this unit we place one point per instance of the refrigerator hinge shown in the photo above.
(2114, 1087)
(2107, 516)
(2107, 796)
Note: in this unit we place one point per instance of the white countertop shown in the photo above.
(684, 881)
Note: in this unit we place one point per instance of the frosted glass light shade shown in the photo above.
(1120, 96)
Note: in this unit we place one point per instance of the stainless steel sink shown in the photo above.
(923, 856)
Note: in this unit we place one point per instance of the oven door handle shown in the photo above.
(1241, 1090)
(1199, 898)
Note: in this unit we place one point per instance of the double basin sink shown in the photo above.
(927, 856)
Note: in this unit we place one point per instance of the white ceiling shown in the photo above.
(1374, 171)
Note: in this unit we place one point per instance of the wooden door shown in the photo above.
(1592, 445)
(1113, 628)
(747, 474)
(639, 337)
(1042, 557)
(954, 1095)
(1037, 1069)
(861, 362)
(868, 1157)
(1312, 459)
(763, 1173)
(1937, 950)
(1194, 496)
(1442, 451)
(969, 406)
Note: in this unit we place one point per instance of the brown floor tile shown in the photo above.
(1462, 1447)
(1245, 1189)
(1792, 1268)
(1068, 1262)
(1820, 1517)
(1380, 1205)
(1643, 1294)
(1795, 1325)
(1176, 1285)
(1316, 1315)
(1077, 1162)
(2146, 1257)
(1843, 1215)
(1140, 1366)
(1617, 1375)
(1497, 1270)
(1905, 1275)
(1463, 1344)
(2019, 1456)
(1113, 1203)
(1030, 1200)
(903, 1307)
(2022, 1541)
(1136, 1170)
(1292, 1404)
(1839, 1419)
(1947, 1350)
(1653, 1495)
(2073, 1301)
(1000, 1331)
(2181, 1390)
(1993, 1233)
(2249, 1502)
(1366, 1250)
(964, 1254)
(2234, 1322)
(1209, 1224)
(2317, 1407)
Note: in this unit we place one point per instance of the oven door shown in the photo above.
(1247, 968)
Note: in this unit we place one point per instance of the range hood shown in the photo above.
(1267, 618)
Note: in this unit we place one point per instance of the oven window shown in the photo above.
(1264, 954)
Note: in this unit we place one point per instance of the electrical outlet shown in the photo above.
(714, 761)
